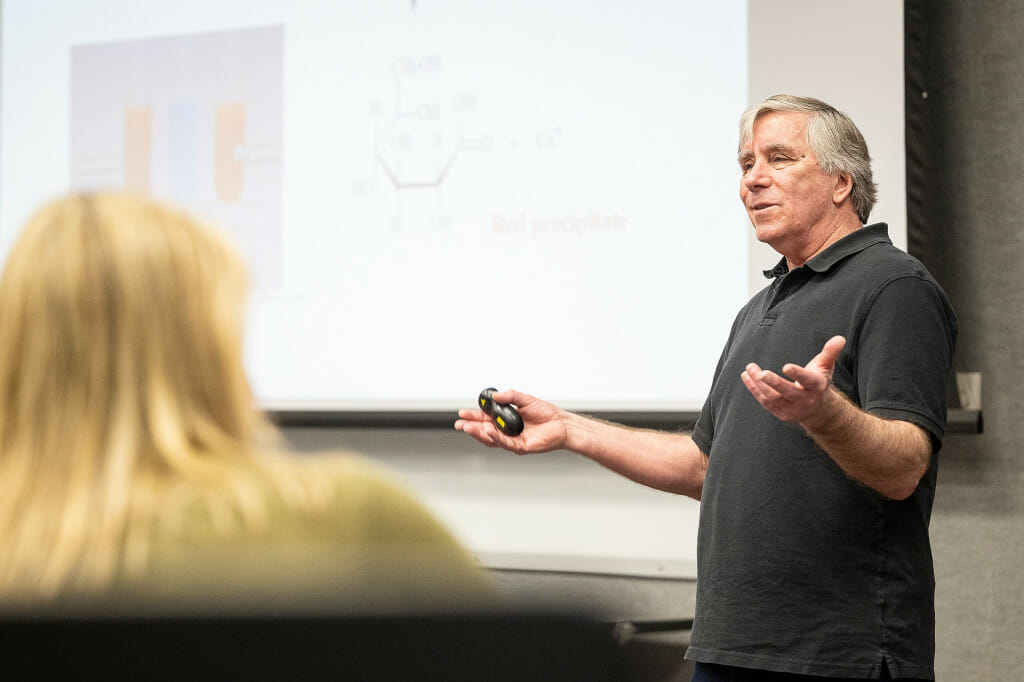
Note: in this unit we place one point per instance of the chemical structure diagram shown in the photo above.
(418, 145)
(421, 135)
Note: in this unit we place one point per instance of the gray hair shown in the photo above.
(833, 138)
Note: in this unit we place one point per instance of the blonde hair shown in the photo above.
(121, 373)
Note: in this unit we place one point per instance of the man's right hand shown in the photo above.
(544, 425)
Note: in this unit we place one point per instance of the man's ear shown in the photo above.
(843, 188)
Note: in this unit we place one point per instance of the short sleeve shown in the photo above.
(904, 353)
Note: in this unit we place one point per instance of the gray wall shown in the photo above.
(976, 105)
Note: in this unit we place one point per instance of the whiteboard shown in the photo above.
(413, 183)
(441, 195)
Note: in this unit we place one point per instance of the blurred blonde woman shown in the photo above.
(132, 460)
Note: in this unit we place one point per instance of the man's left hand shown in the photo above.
(800, 397)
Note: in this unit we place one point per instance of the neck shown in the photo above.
(825, 238)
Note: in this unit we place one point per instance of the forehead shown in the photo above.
(779, 129)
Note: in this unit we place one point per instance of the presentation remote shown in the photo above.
(505, 416)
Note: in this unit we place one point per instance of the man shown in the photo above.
(814, 454)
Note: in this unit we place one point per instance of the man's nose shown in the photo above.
(757, 175)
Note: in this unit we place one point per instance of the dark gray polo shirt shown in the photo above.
(800, 568)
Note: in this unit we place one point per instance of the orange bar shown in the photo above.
(138, 147)
(229, 173)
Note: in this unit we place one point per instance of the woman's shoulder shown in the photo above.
(348, 487)
(336, 495)
(335, 526)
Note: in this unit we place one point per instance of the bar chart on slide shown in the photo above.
(193, 119)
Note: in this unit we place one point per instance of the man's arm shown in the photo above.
(666, 461)
(890, 456)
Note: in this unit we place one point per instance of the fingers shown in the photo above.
(817, 375)
(482, 431)
(799, 393)
(510, 396)
(764, 385)
(755, 387)
(830, 352)
(480, 425)
(545, 428)
(770, 386)
(785, 399)
(470, 414)
(805, 377)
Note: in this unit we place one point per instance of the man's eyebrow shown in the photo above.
(778, 148)
(768, 150)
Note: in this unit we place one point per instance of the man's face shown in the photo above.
(788, 197)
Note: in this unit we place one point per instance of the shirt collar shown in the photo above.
(877, 233)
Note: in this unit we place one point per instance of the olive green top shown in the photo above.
(369, 546)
